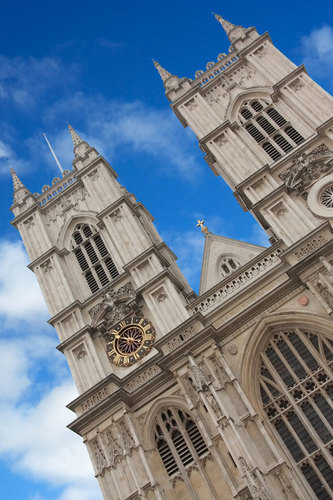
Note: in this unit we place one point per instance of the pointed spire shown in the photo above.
(225, 24)
(75, 136)
(164, 74)
(17, 183)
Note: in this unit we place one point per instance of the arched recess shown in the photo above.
(148, 430)
(286, 372)
(258, 340)
(238, 99)
(66, 232)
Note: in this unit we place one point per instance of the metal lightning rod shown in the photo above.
(54, 155)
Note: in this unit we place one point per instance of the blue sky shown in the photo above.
(90, 64)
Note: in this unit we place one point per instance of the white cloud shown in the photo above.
(8, 159)
(20, 296)
(317, 51)
(39, 444)
(24, 80)
(132, 126)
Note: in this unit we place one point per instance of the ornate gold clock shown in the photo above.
(130, 340)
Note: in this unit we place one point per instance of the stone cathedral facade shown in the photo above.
(227, 394)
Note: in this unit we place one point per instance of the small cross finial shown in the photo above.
(204, 229)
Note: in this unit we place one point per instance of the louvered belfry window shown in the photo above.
(269, 128)
(93, 257)
(297, 391)
(178, 440)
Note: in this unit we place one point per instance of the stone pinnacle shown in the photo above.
(75, 137)
(17, 184)
(164, 74)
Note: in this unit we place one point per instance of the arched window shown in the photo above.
(261, 121)
(297, 390)
(93, 257)
(178, 440)
(271, 151)
(246, 113)
(283, 143)
(228, 265)
(294, 135)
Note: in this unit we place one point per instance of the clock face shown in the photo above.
(130, 340)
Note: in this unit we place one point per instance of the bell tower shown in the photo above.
(228, 394)
(261, 122)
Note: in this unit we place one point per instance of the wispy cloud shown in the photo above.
(109, 44)
(317, 53)
(24, 80)
(20, 296)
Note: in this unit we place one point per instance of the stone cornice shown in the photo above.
(67, 343)
(51, 251)
(285, 80)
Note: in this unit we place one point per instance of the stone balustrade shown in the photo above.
(58, 186)
(236, 282)
(213, 70)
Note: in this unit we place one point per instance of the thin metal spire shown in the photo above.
(164, 74)
(17, 183)
(75, 136)
(53, 154)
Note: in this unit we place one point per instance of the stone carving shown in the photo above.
(296, 85)
(46, 266)
(215, 95)
(254, 480)
(113, 447)
(82, 353)
(191, 105)
(221, 140)
(202, 382)
(324, 283)
(70, 202)
(100, 458)
(306, 168)
(279, 209)
(116, 215)
(233, 349)
(142, 378)
(115, 305)
(29, 223)
(126, 437)
(94, 175)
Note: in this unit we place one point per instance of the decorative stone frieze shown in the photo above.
(142, 377)
(69, 203)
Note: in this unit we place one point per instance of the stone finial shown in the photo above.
(204, 229)
(75, 136)
(80, 146)
(225, 24)
(17, 183)
(164, 74)
(233, 32)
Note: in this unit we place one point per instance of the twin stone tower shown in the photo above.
(227, 394)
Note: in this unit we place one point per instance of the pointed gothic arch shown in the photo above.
(287, 374)
(66, 232)
(236, 102)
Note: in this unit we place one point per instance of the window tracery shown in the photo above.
(93, 257)
(228, 265)
(297, 390)
(269, 128)
(178, 440)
